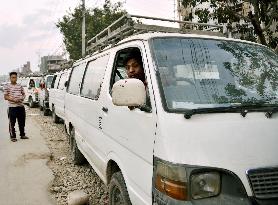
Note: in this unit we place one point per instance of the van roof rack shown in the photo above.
(125, 26)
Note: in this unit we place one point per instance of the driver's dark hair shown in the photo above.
(134, 54)
(13, 73)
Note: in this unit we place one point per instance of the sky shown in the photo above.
(28, 31)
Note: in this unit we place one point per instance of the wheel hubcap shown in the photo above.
(117, 198)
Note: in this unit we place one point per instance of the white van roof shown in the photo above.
(148, 36)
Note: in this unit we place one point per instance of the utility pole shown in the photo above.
(179, 10)
(175, 9)
(83, 29)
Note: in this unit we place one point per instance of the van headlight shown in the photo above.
(204, 185)
(171, 180)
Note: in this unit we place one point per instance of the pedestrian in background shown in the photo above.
(14, 94)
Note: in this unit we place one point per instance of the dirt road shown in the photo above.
(24, 174)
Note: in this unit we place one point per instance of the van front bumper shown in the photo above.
(224, 200)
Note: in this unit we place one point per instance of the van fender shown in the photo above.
(133, 195)
(113, 156)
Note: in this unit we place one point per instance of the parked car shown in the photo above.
(31, 86)
(45, 85)
(2, 85)
(57, 95)
(208, 136)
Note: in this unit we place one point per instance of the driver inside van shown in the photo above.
(134, 69)
(32, 83)
(134, 66)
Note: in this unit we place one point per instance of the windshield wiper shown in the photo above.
(188, 113)
(243, 109)
(269, 109)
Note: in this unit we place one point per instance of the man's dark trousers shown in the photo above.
(16, 113)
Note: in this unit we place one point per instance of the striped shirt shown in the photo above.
(16, 92)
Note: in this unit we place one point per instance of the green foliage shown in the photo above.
(263, 13)
(96, 20)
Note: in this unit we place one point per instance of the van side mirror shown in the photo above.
(66, 84)
(129, 92)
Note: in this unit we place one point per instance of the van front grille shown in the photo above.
(264, 182)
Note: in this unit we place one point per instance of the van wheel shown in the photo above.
(54, 116)
(76, 156)
(31, 102)
(45, 111)
(67, 134)
(118, 194)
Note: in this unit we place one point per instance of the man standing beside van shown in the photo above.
(14, 94)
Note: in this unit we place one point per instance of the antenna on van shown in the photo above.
(125, 26)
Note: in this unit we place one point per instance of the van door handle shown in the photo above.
(105, 109)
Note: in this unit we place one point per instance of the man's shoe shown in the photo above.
(13, 139)
(24, 137)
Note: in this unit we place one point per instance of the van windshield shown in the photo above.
(204, 73)
(37, 82)
(49, 81)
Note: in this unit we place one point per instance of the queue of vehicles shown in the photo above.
(208, 136)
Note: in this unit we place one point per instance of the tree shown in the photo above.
(96, 20)
(262, 17)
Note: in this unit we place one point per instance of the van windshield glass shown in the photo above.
(49, 81)
(37, 82)
(203, 73)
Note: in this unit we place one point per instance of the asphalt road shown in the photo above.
(24, 175)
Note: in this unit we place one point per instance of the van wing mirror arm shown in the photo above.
(145, 108)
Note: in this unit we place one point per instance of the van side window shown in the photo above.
(61, 85)
(76, 79)
(94, 77)
(57, 81)
(53, 81)
(120, 70)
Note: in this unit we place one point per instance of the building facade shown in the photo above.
(51, 64)
(26, 69)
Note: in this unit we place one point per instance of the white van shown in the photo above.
(2, 85)
(44, 93)
(208, 135)
(57, 95)
(31, 86)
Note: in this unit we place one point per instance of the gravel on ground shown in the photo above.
(67, 176)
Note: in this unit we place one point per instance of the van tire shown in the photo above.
(67, 134)
(118, 193)
(76, 156)
(31, 102)
(54, 116)
(45, 111)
